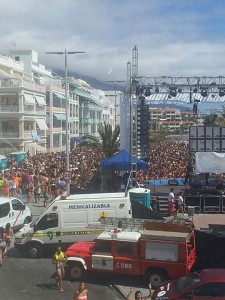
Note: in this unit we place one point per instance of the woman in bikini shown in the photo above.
(59, 260)
(2, 244)
(8, 237)
(82, 292)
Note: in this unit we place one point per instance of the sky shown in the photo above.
(173, 37)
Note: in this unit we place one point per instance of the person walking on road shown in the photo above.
(138, 294)
(170, 201)
(8, 237)
(82, 292)
(2, 244)
(180, 203)
(59, 259)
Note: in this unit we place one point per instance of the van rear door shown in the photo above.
(17, 213)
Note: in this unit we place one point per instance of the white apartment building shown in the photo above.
(22, 103)
(33, 107)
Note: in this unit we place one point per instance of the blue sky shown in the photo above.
(174, 37)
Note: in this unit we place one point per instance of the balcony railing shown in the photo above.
(28, 109)
(22, 83)
(9, 108)
(9, 135)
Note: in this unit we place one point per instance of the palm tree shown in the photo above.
(210, 120)
(108, 141)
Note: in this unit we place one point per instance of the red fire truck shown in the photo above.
(160, 251)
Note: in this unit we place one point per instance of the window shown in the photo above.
(48, 221)
(102, 247)
(17, 205)
(124, 248)
(4, 209)
(17, 58)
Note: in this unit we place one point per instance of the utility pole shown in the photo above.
(65, 53)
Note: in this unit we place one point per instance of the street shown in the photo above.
(23, 278)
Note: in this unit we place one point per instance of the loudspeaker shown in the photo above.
(172, 182)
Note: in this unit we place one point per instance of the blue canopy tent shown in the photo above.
(123, 161)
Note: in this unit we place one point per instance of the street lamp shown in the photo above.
(67, 110)
(115, 82)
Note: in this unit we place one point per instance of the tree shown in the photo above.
(210, 120)
(108, 141)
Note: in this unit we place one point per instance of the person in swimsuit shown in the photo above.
(59, 259)
(138, 294)
(8, 237)
(82, 292)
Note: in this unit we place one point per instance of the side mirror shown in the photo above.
(23, 207)
(35, 228)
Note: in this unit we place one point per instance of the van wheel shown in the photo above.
(76, 271)
(34, 250)
(156, 277)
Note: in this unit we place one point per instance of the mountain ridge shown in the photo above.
(94, 82)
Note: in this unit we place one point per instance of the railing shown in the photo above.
(27, 134)
(40, 109)
(22, 83)
(9, 108)
(9, 135)
(28, 108)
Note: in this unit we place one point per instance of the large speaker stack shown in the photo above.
(142, 128)
(206, 139)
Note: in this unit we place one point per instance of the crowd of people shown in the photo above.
(168, 159)
(43, 172)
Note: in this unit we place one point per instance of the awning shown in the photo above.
(83, 94)
(36, 146)
(60, 117)
(61, 96)
(42, 124)
(5, 75)
(40, 100)
(29, 99)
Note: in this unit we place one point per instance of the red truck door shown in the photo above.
(127, 257)
(102, 258)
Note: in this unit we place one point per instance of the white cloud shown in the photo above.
(174, 37)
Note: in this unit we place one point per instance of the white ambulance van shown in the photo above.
(13, 211)
(75, 218)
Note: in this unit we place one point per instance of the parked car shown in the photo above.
(209, 284)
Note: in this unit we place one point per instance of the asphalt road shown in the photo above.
(23, 278)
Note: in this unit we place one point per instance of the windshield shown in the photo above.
(34, 222)
(185, 282)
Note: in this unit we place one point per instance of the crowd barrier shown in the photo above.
(169, 181)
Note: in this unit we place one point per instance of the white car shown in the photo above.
(13, 211)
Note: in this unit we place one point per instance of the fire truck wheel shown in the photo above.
(156, 277)
(76, 271)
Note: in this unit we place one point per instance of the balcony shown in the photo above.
(28, 109)
(9, 135)
(9, 83)
(9, 108)
(40, 110)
